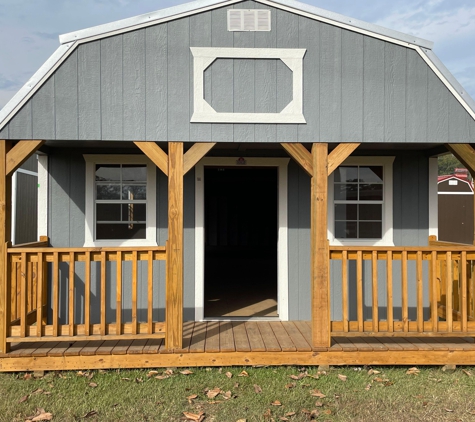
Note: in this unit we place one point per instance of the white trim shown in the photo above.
(205, 56)
(42, 195)
(454, 193)
(387, 224)
(151, 230)
(28, 172)
(13, 212)
(433, 201)
(282, 242)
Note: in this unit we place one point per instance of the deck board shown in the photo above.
(137, 346)
(121, 347)
(187, 333)
(106, 347)
(240, 337)
(254, 336)
(226, 337)
(152, 346)
(91, 348)
(345, 344)
(212, 337)
(59, 349)
(296, 336)
(75, 349)
(282, 337)
(198, 338)
(268, 337)
(305, 330)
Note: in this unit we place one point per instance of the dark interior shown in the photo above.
(240, 241)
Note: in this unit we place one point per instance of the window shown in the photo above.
(120, 201)
(360, 202)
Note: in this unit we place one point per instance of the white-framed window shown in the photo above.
(360, 202)
(120, 201)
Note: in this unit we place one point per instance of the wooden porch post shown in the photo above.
(319, 248)
(174, 283)
(5, 231)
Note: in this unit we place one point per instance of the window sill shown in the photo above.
(119, 243)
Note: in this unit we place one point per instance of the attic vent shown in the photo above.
(248, 20)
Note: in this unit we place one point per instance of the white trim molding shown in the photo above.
(42, 195)
(205, 56)
(151, 229)
(433, 198)
(282, 242)
(387, 223)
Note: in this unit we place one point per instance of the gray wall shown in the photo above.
(66, 223)
(139, 85)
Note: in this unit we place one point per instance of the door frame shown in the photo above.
(282, 235)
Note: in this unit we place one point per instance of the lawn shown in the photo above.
(242, 394)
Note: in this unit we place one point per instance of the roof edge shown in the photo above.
(197, 5)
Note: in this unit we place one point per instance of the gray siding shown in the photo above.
(139, 85)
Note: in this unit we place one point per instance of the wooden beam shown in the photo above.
(5, 231)
(155, 153)
(340, 154)
(319, 248)
(174, 282)
(19, 154)
(465, 154)
(300, 154)
(195, 154)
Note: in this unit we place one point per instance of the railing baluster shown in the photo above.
(375, 302)
(72, 272)
(359, 287)
(463, 283)
(23, 294)
(39, 299)
(435, 292)
(150, 292)
(55, 293)
(14, 311)
(103, 293)
(134, 292)
(389, 282)
(87, 294)
(420, 293)
(449, 292)
(118, 318)
(404, 302)
(344, 289)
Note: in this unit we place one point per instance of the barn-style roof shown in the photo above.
(72, 41)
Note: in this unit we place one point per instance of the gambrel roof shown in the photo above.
(72, 41)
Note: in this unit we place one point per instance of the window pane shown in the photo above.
(345, 229)
(134, 192)
(108, 172)
(345, 191)
(346, 174)
(370, 230)
(371, 192)
(134, 212)
(134, 173)
(346, 212)
(108, 191)
(120, 231)
(371, 174)
(108, 212)
(370, 212)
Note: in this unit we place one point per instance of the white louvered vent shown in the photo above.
(249, 20)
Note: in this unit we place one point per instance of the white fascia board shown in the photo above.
(34, 83)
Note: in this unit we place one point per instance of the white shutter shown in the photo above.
(249, 20)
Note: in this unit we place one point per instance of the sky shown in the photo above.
(29, 29)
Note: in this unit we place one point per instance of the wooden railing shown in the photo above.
(417, 300)
(39, 275)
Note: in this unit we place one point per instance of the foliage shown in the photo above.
(447, 164)
(234, 394)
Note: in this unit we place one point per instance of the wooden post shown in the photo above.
(319, 248)
(174, 285)
(5, 231)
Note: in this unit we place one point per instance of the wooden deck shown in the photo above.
(238, 343)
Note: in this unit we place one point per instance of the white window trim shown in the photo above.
(387, 223)
(151, 229)
(203, 57)
(282, 240)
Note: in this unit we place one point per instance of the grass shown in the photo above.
(380, 394)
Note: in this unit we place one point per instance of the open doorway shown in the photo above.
(241, 232)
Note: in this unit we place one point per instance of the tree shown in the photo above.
(447, 164)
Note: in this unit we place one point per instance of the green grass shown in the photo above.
(129, 395)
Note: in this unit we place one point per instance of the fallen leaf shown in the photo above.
(290, 414)
(162, 377)
(90, 414)
(37, 391)
(243, 374)
(342, 377)
(294, 377)
(283, 418)
(291, 385)
(472, 412)
(368, 387)
(46, 416)
(449, 410)
(315, 413)
(257, 389)
(241, 420)
(412, 371)
(23, 399)
(318, 404)
(227, 395)
(125, 379)
(169, 372)
(92, 385)
(186, 372)
(236, 385)
(468, 373)
(305, 411)
(151, 374)
(317, 393)
(27, 376)
(193, 416)
(191, 398)
(327, 412)
(276, 403)
(267, 414)
(213, 393)
(138, 380)
(228, 374)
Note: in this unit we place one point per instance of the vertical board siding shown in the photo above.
(134, 84)
(43, 111)
(66, 98)
(21, 127)
(4, 132)
(89, 91)
(111, 88)
(437, 109)
(416, 99)
(26, 210)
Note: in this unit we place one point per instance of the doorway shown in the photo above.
(240, 242)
